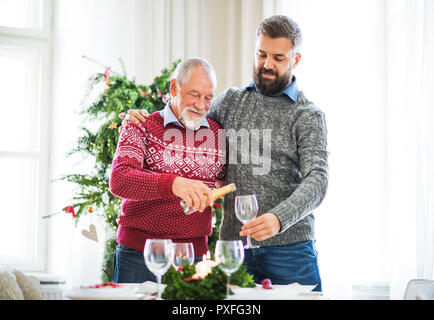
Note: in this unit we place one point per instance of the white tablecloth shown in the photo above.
(147, 290)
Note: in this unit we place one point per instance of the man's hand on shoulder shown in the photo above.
(134, 115)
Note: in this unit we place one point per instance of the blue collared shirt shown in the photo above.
(291, 91)
(169, 117)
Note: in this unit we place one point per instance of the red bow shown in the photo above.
(70, 209)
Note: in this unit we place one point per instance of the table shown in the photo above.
(147, 291)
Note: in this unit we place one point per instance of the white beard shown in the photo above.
(191, 122)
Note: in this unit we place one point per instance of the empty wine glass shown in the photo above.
(183, 253)
(229, 255)
(158, 255)
(246, 209)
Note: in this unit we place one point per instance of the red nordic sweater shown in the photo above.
(148, 158)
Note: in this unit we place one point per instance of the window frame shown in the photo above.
(41, 41)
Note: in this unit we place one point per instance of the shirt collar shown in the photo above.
(169, 117)
(291, 91)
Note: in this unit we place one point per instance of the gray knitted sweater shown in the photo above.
(277, 149)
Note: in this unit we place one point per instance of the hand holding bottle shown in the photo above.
(195, 193)
(215, 194)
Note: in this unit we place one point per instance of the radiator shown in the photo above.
(52, 291)
(51, 287)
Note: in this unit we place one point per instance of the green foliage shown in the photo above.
(217, 214)
(180, 286)
(242, 278)
(107, 266)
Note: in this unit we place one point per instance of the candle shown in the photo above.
(204, 267)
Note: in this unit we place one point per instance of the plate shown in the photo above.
(127, 291)
(292, 291)
(149, 287)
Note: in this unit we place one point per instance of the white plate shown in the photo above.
(279, 292)
(125, 291)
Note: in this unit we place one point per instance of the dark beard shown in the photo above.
(269, 87)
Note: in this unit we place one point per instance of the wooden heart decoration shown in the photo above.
(91, 233)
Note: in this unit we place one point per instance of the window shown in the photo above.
(25, 14)
(25, 65)
(369, 64)
(343, 71)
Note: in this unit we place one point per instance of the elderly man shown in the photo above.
(163, 160)
(294, 139)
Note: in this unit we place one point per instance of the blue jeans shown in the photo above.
(129, 266)
(285, 264)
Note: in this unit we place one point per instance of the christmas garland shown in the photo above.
(181, 286)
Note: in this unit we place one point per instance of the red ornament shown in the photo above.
(144, 93)
(215, 204)
(106, 74)
(70, 209)
(266, 284)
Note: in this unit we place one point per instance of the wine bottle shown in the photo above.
(217, 193)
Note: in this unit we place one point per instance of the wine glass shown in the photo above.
(158, 255)
(183, 253)
(229, 255)
(246, 209)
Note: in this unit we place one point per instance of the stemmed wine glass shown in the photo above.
(183, 253)
(158, 255)
(229, 255)
(246, 209)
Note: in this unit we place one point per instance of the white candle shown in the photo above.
(204, 267)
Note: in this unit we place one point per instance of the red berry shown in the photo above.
(266, 284)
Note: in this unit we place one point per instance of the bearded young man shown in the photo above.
(297, 178)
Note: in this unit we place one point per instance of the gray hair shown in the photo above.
(280, 26)
(183, 70)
